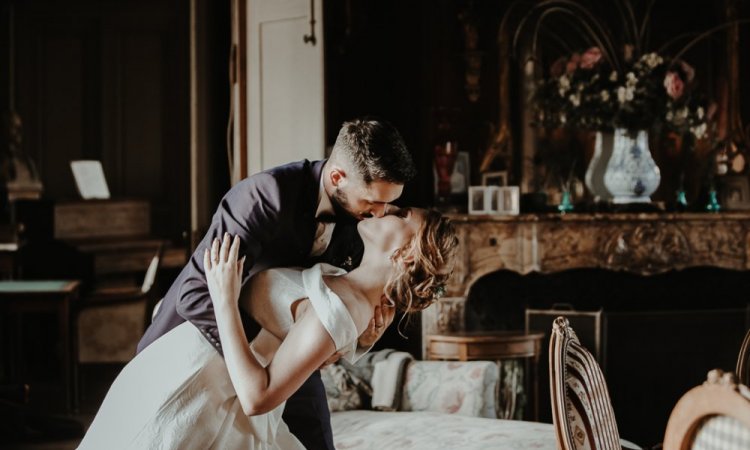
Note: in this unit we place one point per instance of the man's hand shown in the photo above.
(381, 319)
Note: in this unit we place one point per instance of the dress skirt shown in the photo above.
(177, 394)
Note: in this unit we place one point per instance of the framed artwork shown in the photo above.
(479, 200)
(506, 200)
(735, 192)
(495, 178)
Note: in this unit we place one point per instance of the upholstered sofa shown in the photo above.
(440, 405)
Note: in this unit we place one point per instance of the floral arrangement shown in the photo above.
(584, 91)
(612, 81)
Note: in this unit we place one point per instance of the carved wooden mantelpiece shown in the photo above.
(640, 243)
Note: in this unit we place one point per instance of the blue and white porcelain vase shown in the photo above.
(598, 166)
(632, 175)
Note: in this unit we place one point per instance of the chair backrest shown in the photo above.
(715, 415)
(581, 408)
(743, 361)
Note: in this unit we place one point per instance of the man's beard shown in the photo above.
(340, 203)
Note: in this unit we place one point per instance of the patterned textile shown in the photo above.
(348, 386)
(721, 433)
(466, 388)
(375, 430)
(342, 390)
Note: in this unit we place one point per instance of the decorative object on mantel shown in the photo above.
(617, 87)
(713, 201)
(631, 175)
(497, 200)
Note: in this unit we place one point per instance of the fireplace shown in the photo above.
(672, 289)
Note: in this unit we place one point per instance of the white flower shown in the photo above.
(580, 86)
(699, 131)
(670, 116)
(682, 113)
(652, 59)
(621, 94)
(563, 118)
(575, 99)
(564, 82)
(613, 76)
(632, 80)
(605, 95)
(699, 112)
(562, 92)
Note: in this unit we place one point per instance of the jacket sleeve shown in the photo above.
(249, 210)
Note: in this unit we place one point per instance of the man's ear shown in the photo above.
(337, 176)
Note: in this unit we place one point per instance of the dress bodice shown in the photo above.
(269, 295)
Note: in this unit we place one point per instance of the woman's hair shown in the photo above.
(419, 281)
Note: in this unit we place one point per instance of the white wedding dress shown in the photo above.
(177, 394)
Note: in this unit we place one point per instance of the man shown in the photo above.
(283, 217)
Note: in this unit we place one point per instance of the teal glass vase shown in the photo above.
(713, 203)
(565, 205)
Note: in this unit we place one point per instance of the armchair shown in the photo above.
(715, 415)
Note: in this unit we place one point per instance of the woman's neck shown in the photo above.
(367, 282)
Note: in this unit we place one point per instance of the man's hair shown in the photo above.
(375, 149)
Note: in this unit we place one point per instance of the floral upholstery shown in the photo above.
(464, 388)
(377, 430)
(721, 433)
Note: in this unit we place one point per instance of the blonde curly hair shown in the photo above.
(423, 265)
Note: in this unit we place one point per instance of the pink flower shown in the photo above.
(674, 85)
(590, 58)
(572, 65)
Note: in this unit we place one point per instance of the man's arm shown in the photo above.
(250, 211)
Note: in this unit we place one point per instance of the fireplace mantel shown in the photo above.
(640, 243)
(644, 244)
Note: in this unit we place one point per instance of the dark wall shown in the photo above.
(407, 61)
(108, 80)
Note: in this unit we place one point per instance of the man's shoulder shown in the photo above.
(294, 174)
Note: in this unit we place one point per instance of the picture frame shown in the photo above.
(506, 200)
(479, 200)
(735, 192)
(499, 178)
(499, 200)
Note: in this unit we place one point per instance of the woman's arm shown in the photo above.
(305, 348)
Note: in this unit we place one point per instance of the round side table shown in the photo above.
(494, 346)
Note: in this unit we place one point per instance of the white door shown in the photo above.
(285, 86)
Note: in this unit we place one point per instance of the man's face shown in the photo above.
(363, 200)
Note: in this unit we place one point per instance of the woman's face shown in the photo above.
(392, 231)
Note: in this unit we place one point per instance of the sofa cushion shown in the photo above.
(465, 388)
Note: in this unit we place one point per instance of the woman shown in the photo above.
(179, 393)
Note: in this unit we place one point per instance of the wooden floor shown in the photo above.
(46, 401)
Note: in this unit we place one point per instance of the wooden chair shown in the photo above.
(109, 322)
(715, 415)
(581, 408)
(743, 361)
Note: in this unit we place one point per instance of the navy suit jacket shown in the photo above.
(273, 213)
